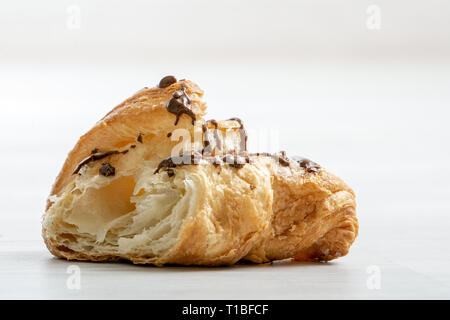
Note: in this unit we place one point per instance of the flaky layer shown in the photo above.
(206, 215)
(144, 115)
(202, 215)
(117, 197)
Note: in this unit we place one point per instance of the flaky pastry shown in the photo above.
(154, 183)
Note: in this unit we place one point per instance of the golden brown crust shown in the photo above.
(143, 113)
(260, 213)
(336, 242)
(312, 217)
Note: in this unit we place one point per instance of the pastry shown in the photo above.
(154, 183)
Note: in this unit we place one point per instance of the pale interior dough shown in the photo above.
(136, 211)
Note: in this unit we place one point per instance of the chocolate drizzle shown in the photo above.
(182, 159)
(180, 104)
(234, 160)
(308, 165)
(193, 158)
(96, 156)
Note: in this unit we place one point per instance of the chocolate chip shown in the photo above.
(139, 138)
(107, 170)
(169, 134)
(95, 157)
(167, 81)
(170, 173)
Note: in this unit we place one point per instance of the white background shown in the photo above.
(370, 105)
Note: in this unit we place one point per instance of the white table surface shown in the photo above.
(382, 126)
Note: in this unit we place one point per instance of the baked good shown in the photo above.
(153, 182)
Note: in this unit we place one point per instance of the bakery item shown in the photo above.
(155, 183)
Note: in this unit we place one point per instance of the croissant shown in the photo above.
(130, 190)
